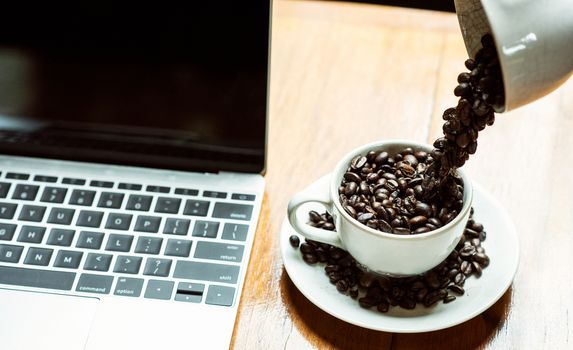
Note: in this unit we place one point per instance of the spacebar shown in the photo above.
(36, 278)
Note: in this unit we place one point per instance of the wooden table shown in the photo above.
(346, 74)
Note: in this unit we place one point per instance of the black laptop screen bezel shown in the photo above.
(84, 146)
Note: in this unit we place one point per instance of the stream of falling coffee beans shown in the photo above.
(413, 193)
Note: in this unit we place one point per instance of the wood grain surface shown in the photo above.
(346, 74)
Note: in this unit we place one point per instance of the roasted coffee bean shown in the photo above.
(468, 251)
(477, 268)
(471, 233)
(350, 210)
(350, 188)
(481, 259)
(336, 253)
(407, 303)
(434, 297)
(401, 231)
(448, 299)
(384, 226)
(328, 226)
(466, 268)
(383, 306)
(459, 279)
(314, 216)
(423, 209)
(456, 289)
(342, 286)
(310, 258)
(366, 302)
(307, 248)
(294, 241)
(364, 217)
(352, 177)
(418, 220)
(358, 162)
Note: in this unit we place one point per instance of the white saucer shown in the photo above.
(501, 245)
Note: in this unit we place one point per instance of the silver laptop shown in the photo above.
(132, 148)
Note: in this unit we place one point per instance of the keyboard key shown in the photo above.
(61, 237)
(235, 232)
(178, 247)
(186, 191)
(147, 224)
(167, 205)
(128, 287)
(32, 213)
(44, 178)
(148, 245)
(4, 188)
(17, 176)
(25, 192)
(61, 216)
(137, 202)
(70, 181)
(68, 259)
(18, 276)
(98, 262)
(7, 231)
(128, 186)
(214, 194)
(82, 197)
(10, 253)
(219, 251)
(118, 221)
(127, 264)
(177, 226)
(7, 210)
(90, 240)
(206, 271)
(220, 295)
(110, 200)
(119, 243)
(196, 208)
(158, 189)
(243, 197)
(104, 184)
(159, 290)
(38, 256)
(88, 218)
(31, 234)
(232, 211)
(99, 284)
(157, 267)
(54, 194)
(206, 229)
(189, 292)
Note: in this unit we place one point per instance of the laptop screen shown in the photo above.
(166, 86)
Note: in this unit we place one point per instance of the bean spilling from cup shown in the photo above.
(415, 192)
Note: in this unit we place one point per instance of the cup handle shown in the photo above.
(320, 195)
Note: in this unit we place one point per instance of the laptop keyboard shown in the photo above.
(122, 239)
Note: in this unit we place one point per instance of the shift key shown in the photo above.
(206, 272)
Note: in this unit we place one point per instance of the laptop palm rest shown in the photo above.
(45, 321)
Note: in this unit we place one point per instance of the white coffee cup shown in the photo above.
(380, 252)
(534, 41)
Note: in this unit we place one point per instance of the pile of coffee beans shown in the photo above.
(385, 192)
(442, 283)
(481, 92)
